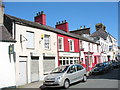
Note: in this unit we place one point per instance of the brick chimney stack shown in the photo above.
(62, 25)
(1, 12)
(40, 18)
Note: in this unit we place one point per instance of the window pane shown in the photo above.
(63, 62)
(30, 39)
(67, 61)
(60, 62)
(71, 61)
(47, 41)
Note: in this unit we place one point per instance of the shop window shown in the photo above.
(63, 62)
(67, 61)
(60, 62)
(71, 61)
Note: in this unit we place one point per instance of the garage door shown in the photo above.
(34, 69)
(22, 71)
(48, 64)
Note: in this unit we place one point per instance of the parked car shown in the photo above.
(110, 65)
(107, 66)
(115, 64)
(119, 64)
(63, 76)
(99, 68)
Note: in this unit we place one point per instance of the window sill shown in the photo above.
(47, 49)
(30, 48)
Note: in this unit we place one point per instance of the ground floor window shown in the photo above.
(99, 59)
(68, 60)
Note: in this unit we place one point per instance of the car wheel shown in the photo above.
(66, 84)
(84, 78)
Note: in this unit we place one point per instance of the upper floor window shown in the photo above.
(47, 41)
(97, 48)
(81, 44)
(71, 43)
(110, 48)
(60, 43)
(30, 39)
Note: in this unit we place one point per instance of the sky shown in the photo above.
(76, 13)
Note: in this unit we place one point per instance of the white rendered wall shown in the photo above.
(21, 49)
(7, 68)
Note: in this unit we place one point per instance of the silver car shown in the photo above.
(63, 76)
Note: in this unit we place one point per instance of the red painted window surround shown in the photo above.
(66, 43)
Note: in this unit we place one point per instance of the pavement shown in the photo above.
(32, 85)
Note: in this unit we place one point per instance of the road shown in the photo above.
(107, 80)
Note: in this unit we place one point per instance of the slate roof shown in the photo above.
(47, 28)
(100, 33)
(5, 36)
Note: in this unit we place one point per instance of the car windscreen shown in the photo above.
(99, 65)
(60, 69)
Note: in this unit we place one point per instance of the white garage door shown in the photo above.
(34, 69)
(22, 70)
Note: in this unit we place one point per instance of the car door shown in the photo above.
(72, 74)
(80, 72)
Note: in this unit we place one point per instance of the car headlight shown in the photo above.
(45, 78)
(59, 78)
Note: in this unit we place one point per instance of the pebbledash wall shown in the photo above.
(35, 61)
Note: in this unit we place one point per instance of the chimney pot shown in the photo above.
(65, 21)
(42, 12)
(59, 22)
(62, 21)
(39, 13)
(80, 27)
(56, 23)
(84, 26)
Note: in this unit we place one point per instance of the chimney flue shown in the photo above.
(40, 18)
(62, 25)
(1, 12)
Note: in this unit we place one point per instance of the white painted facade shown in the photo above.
(87, 53)
(36, 50)
(113, 47)
(104, 49)
(7, 66)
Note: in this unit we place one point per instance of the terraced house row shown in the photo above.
(30, 50)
